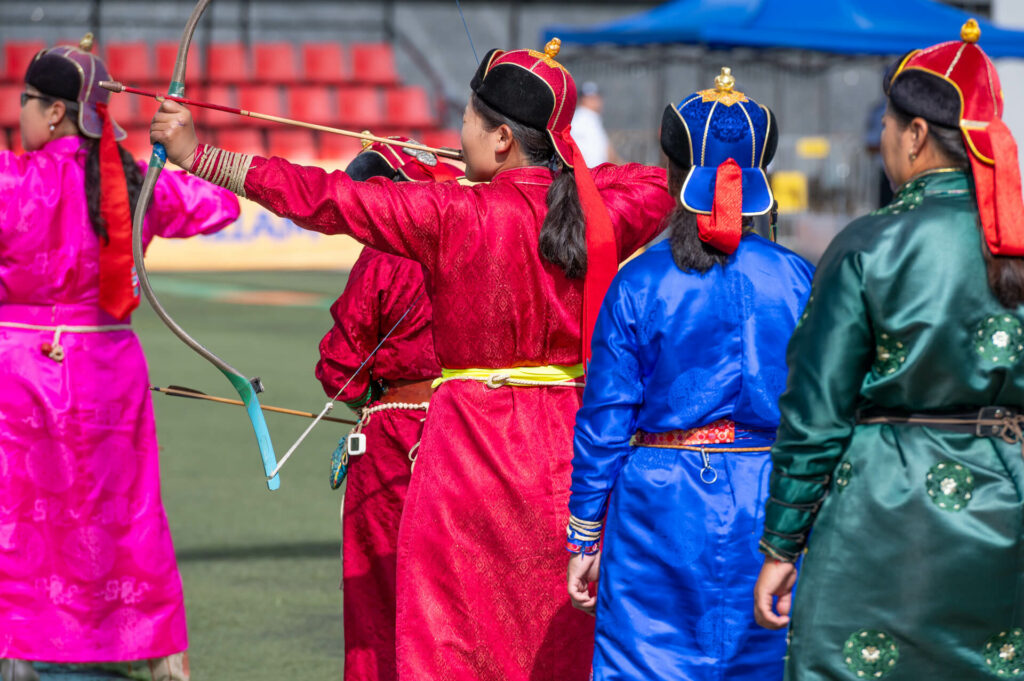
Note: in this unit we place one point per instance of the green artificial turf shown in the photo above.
(260, 569)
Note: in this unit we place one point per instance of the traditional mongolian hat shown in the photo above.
(72, 74)
(955, 85)
(384, 160)
(533, 89)
(726, 140)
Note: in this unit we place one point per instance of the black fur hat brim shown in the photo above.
(370, 164)
(923, 93)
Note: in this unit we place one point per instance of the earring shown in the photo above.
(52, 127)
(913, 157)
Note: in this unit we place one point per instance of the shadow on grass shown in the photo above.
(312, 549)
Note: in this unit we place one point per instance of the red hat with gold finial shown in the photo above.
(955, 84)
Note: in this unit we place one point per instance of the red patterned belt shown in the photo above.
(720, 432)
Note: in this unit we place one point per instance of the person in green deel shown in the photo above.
(901, 428)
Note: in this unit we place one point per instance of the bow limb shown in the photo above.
(246, 389)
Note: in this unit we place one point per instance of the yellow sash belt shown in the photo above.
(553, 374)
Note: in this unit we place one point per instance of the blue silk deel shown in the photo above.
(678, 350)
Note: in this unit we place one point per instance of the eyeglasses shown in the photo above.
(68, 104)
(25, 96)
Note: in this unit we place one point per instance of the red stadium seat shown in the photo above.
(10, 105)
(264, 99)
(408, 107)
(215, 94)
(443, 138)
(274, 63)
(323, 63)
(373, 63)
(124, 108)
(137, 142)
(130, 63)
(312, 104)
(242, 140)
(338, 147)
(166, 55)
(17, 55)
(227, 63)
(293, 144)
(359, 107)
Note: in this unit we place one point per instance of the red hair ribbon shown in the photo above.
(998, 190)
(602, 249)
(118, 292)
(724, 227)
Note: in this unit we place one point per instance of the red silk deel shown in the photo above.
(118, 292)
(724, 227)
(602, 250)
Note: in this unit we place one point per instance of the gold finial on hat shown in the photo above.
(553, 47)
(366, 143)
(971, 32)
(85, 44)
(725, 82)
(724, 92)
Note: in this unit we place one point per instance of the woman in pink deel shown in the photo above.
(87, 568)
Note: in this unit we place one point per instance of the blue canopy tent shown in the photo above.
(882, 27)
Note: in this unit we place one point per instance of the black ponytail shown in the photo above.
(563, 240)
(92, 184)
(689, 252)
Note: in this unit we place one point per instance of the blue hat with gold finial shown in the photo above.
(726, 140)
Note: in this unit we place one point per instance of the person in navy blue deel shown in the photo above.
(672, 442)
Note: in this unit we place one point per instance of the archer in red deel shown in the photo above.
(516, 266)
(391, 395)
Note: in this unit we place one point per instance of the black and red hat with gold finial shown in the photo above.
(955, 84)
(378, 159)
(533, 89)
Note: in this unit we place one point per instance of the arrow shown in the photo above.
(446, 152)
(179, 391)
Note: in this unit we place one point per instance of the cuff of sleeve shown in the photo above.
(359, 403)
(585, 549)
(775, 553)
(223, 168)
(583, 536)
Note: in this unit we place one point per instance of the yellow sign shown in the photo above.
(258, 240)
(790, 189)
(813, 147)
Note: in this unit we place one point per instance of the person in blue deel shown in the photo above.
(672, 442)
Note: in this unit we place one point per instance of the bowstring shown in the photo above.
(466, 26)
(330, 405)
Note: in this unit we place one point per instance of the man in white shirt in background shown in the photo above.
(587, 128)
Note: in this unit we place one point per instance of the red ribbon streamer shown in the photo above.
(602, 249)
(724, 227)
(118, 293)
(999, 195)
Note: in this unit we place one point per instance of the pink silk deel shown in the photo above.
(481, 557)
(87, 567)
